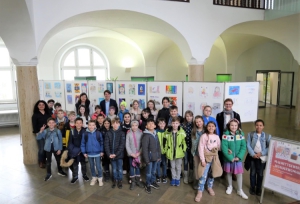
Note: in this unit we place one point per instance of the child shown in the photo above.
(164, 112)
(135, 111)
(92, 148)
(61, 120)
(151, 154)
(206, 117)
(208, 141)
(188, 158)
(153, 110)
(174, 114)
(53, 145)
(57, 107)
(125, 128)
(233, 139)
(99, 123)
(83, 115)
(75, 151)
(68, 127)
(198, 130)
(257, 145)
(114, 148)
(122, 111)
(50, 103)
(105, 158)
(133, 147)
(145, 115)
(112, 114)
(175, 149)
(97, 112)
(162, 141)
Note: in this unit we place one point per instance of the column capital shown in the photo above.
(32, 63)
(194, 61)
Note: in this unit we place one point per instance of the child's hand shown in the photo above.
(236, 159)
(42, 128)
(229, 151)
(133, 155)
(58, 152)
(137, 154)
(85, 155)
(203, 164)
(233, 160)
(101, 154)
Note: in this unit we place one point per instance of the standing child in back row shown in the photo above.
(175, 149)
(161, 133)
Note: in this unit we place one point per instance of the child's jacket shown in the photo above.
(130, 144)
(74, 143)
(162, 139)
(180, 146)
(121, 114)
(150, 147)
(236, 143)
(115, 143)
(51, 137)
(92, 143)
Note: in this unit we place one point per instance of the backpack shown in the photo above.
(86, 136)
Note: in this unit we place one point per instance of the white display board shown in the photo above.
(55, 90)
(173, 90)
(282, 173)
(72, 91)
(41, 90)
(199, 94)
(130, 91)
(245, 99)
(96, 91)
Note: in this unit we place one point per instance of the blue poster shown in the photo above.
(234, 90)
(110, 87)
(141, 89)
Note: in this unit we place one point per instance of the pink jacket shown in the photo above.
(207, 143)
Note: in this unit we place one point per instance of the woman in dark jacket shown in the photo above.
(83, 100)
(39, 118)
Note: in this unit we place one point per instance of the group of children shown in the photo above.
(169, 142)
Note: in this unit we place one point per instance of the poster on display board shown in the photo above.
(282, 172)
(73, 89)
(129, 91)
(199, 94)
(41, 90)
(96, 91)
(158, 90)
(245, 99)
(54, 90)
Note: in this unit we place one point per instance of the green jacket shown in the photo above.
(180, 144)
(237, 144)
(162, 139)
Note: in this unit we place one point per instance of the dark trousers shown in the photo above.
(256, 173)
(105, 163)
(125, 161)
(188, 161)
(41, 151)
(49, 160)
(79, 159)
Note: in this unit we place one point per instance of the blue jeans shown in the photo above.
(41, 152)
(150, 172)
(204, 177)
(163, 163)
(97, 161)
(134, 171)
(117, 169)
(188, 161)
(256, 173)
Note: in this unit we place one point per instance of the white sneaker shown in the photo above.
(124, 172)
(93, 181)
(229, 190)
(242, 194)
(100, 181)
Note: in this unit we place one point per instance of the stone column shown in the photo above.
(28, 95)
(297, 117)
(196, 72)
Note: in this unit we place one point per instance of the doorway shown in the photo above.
(275, 88)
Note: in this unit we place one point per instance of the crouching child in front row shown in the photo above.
(53, 145)
(92, 148)
(151, 154)
(114, 148)
(74, 151)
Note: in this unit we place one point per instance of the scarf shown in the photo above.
(226, 112)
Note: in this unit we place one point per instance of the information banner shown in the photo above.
(199, 94)
(173, 90)
(96, 91)
(245, 98)
(282, 172)
(129, 91)
(73, 89)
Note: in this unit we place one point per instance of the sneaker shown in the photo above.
(229, 190)
(148, 189)
(158, 180)
(164, 179)
(242, 194)
(74, 180)
(154, 185)
(172, 183)
(120, 186)
(100, 181)
(124, 172)
(185, 177)
(48, 177)
(132, 185)
(258, 191)
(61, 173)
(114, 184)
(85, 178)
(177, 182)
(252, 190)
(93, 181)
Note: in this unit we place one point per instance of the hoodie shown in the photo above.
(150, 147)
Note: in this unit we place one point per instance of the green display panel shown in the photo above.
(142, 78)
(85, 78)
(224, 77)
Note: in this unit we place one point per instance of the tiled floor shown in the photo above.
(25, 184)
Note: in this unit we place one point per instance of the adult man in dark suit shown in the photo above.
(108, 102)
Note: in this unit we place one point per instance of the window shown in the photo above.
(7, 77)
(83, 61)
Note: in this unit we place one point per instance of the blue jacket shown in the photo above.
(49, 136)
(264, 144)
(213, 120)
(92, 147)
(121, 114)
